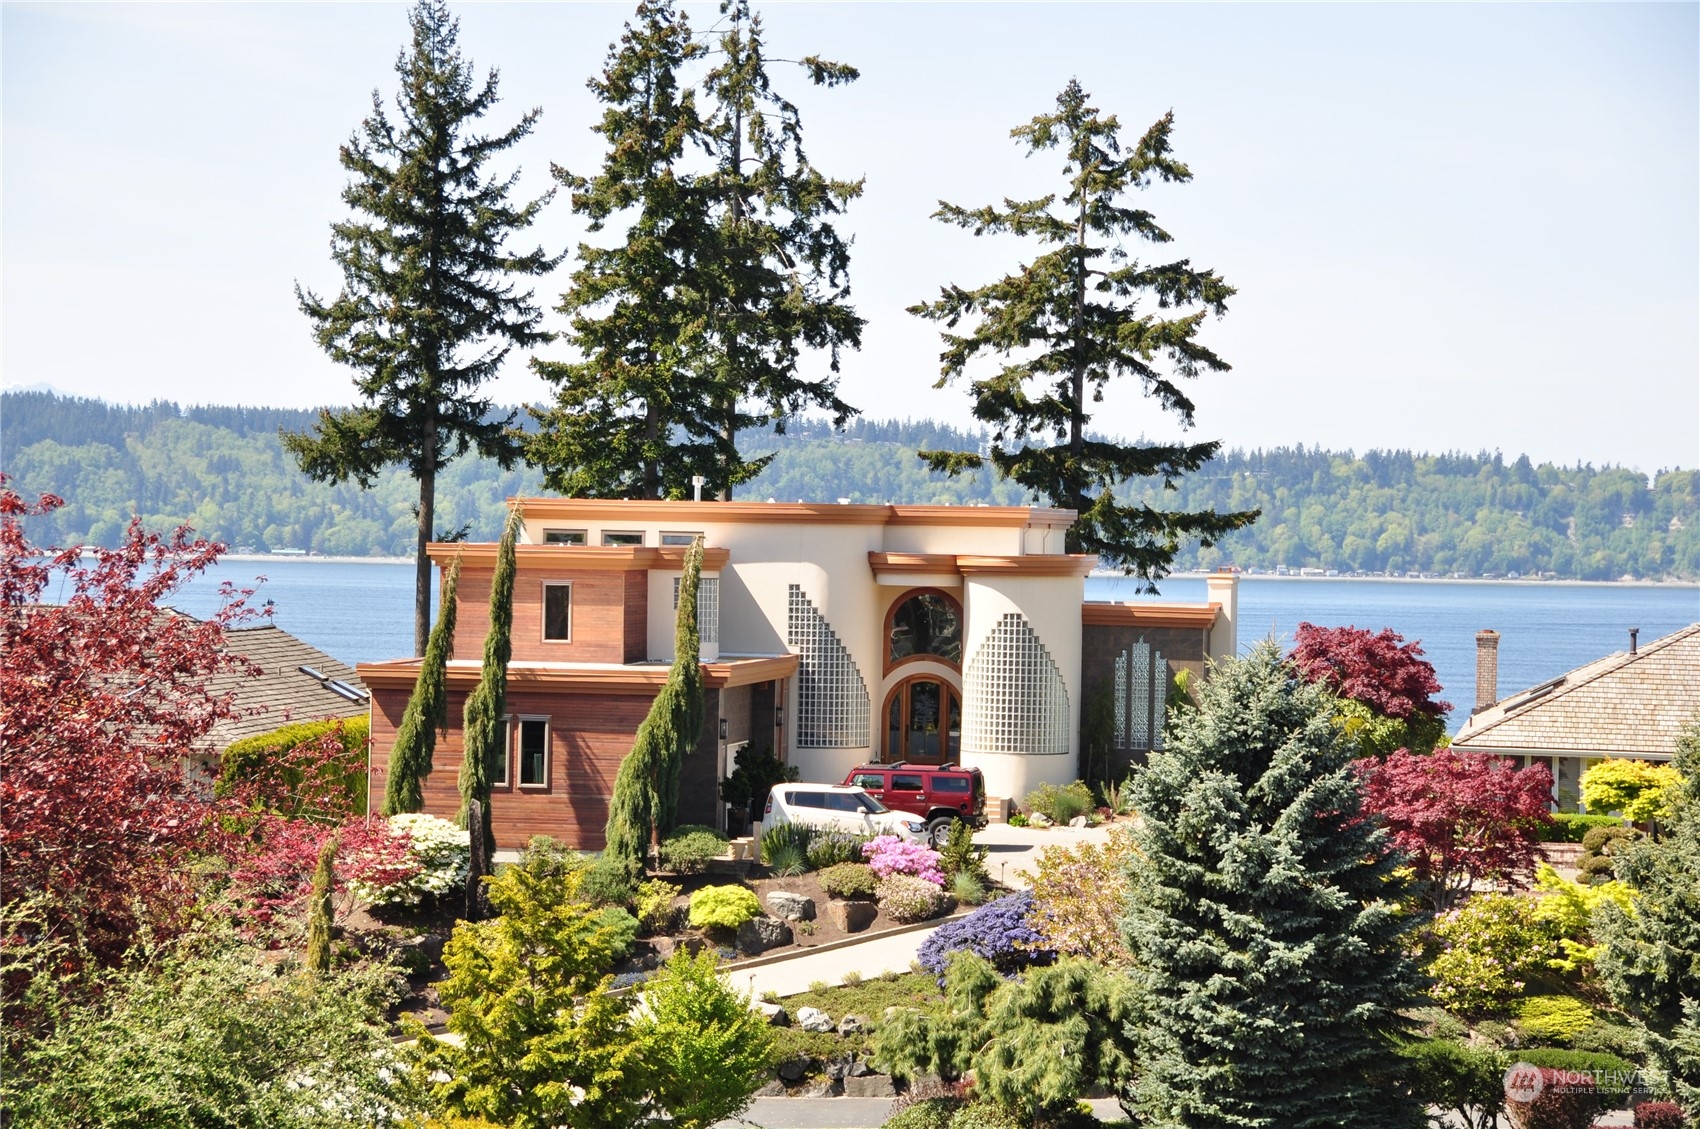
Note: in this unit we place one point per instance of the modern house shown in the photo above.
(830, 635)
(1631, 704)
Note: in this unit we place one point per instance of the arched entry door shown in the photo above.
(923, 721)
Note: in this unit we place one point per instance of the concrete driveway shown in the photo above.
(1012, 851)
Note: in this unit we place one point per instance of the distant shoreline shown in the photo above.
(1112, 574)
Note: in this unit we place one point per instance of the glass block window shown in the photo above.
(832, 696)
(708, 607)
(1016, 700)
(1141, 693)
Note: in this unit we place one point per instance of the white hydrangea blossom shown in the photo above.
(443, 852)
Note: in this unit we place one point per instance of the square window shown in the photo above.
(616, 538)
(557, 613)
(683, 539)
(533, 752)
(563, 536)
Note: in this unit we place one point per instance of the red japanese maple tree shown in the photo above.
(1379, 669)
(1462, 817)
(101, 693)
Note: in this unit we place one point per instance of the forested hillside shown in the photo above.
(223, 471)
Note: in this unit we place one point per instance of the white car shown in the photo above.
(839, 807)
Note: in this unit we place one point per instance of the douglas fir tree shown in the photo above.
(1069, 321)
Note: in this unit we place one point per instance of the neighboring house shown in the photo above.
(830, 635)
(1630, 704)
(296, 682)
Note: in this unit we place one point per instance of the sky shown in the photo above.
(1451, 226)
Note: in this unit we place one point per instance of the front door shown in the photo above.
(923, 722)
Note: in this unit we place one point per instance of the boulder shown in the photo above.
(837, 1068)
(1077, 821)
(791, 907)
(759, 934)
(773, 1089)
(869, 1086)
(1038, 819)
(820, 1090)
(853, 917)
(775, 1014)
(859, 1068)
(813, 1019)
(793, 1070)
(852, 1024)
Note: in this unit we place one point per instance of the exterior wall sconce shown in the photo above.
(779, 717)
(723, 729)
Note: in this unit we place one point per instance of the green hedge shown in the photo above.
(1587, 1062)
(1569, 826)
(253, 757)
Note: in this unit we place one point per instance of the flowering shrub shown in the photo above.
(1659, 1115)
(441, 852)
(889, 855)
(848, 880)
(906, 898)
(723, 907)
(833, 848)
(1080, 894)
(999, 931)
(1486, 948)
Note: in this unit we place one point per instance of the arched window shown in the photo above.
(926, 623)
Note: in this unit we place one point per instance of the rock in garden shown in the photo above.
(837, 1068)
(793, 1070)
(853, 917)
(1077, 821)
(774, 1089)
(791, 907)
(1038, 819)
(860, 1069)
(851, 1024)
(775, 1014)
(759, 934)
(813, 1019)
(820, 1090)
(869, 1086)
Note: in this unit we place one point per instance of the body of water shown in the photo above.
(363, 612)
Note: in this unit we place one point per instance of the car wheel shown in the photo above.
(938, 831)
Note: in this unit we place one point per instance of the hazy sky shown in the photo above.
(1451, 226)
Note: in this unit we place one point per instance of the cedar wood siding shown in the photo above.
(610, 616)
(588, 737)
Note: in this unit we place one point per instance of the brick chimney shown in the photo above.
(1487, 669)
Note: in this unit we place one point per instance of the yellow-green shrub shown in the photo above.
(723, 907)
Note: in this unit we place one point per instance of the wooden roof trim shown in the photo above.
(1186, 616)
(579, 558)
(1039, 564)
(645, 678)
(790, 513)
(928, 564)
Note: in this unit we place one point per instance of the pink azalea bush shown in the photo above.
(888, 855)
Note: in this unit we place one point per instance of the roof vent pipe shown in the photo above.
(1633, 632)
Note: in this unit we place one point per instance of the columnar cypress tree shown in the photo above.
(427, 711)
(645, 802)
(428, 309)
(481, 725)
(1264, 918)
(1067, 322)
(319, 909)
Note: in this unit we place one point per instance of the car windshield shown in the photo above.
(869, 804)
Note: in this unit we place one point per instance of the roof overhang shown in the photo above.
(589, 558)
(609, 678)
(1199, 617)
(791, 513)
(948, 569)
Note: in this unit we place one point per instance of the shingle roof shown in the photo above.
(282, 693)
(1624, 705)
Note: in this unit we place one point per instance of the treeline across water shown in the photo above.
(224, 471)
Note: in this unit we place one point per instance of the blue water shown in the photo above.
(364, 612)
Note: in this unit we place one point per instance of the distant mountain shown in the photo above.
(223, 471)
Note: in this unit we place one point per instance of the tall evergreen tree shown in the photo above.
(1650, 957)
(645, 803)
(1263, 918)
(427, 710)
(428, 309)
(694, 327)
(319, 908)
(1071, 320)
(481, 723)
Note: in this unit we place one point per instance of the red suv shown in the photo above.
(938, 793)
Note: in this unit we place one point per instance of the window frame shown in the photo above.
(518, 731)
(607, 534)
(889, 664)
(583, 536)
(689, 537)
(543, 608)
(506, 747)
